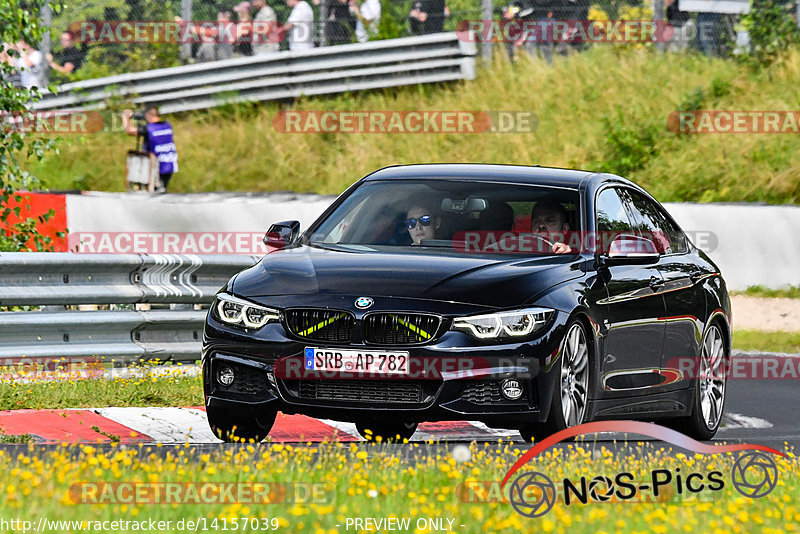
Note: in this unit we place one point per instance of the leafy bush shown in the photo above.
(628, 148)
(772, 30)
(19, 21)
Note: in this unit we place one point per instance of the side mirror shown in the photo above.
(282, 234)
(629, 249)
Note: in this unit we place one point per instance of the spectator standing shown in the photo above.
(224, 43)
(29, 63)
(158, 139)
(264, 29)
(547, 12)
(11, 73)
(244, 30)
(300, 25)
(368, 17)
(519, 11)
(70, 58)
(708, 32)
(207, 51)
(340, 25)
(427, 16)
(682, 25)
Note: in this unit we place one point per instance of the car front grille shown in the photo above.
(320, 325)
(382, 391)
(482, 393)
(400, 328)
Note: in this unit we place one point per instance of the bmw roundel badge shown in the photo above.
(362, 303)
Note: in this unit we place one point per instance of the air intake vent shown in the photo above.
(383, 391)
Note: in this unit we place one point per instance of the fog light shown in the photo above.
(511, 389)
(225, 376)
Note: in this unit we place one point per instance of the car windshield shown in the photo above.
(467, 216)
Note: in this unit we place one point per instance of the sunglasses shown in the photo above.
(425, 220)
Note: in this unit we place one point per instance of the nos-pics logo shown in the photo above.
(533, 494)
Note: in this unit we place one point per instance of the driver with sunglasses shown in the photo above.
(422, 224)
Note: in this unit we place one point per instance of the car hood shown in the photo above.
(430, 275)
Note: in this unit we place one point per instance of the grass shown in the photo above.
(766, 341)
(15, 438)
(319, 488)
(604, 109)
(792, 292)
(81, 393)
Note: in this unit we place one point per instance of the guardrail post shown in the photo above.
(487, 13)
(45, 47)
(323, 17)
(186, 15)
(658, 18)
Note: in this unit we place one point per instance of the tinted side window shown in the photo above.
(651, 222)
(611, 217)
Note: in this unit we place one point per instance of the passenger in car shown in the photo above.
(422, 222)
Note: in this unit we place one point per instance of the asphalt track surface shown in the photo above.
(760, 411)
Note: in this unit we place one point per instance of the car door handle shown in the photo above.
(656, 283)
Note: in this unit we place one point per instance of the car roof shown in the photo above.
(521, 174)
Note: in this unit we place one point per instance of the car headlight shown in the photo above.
(233, 310)
(516, 323)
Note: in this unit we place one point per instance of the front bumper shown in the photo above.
(452, 378)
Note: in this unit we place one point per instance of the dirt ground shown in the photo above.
(767, 314)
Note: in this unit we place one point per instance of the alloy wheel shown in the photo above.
(712, 378)
(574, 376)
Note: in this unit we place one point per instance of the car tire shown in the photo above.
(570, 404)
(708, 393)
(388, 432)
(236, 429)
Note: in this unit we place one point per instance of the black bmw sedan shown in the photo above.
(523, 297)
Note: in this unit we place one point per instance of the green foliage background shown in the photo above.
(19, 21)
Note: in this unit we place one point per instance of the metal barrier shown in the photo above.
(123, 336)
(282, 75)
(48, 278)
(41, 279)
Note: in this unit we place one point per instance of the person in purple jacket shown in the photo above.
(158, 139)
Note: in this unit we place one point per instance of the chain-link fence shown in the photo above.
(95, 38)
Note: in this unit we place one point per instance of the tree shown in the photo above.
(19, 21)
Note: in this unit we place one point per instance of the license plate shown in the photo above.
(356, 361)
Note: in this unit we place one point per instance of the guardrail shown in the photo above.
(283, 75)
(49, 279)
